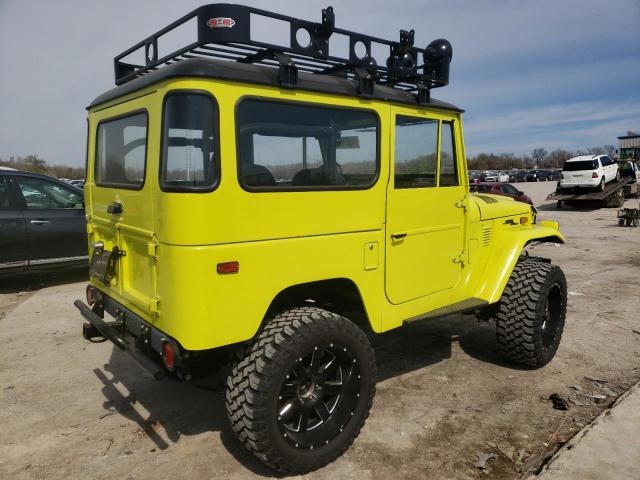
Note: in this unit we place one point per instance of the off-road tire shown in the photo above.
(535, 288)
(255, 383)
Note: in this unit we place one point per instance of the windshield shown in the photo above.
(580, 165)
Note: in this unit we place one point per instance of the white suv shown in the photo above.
(589, 171)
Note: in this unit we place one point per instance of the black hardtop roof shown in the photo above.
(262, 75)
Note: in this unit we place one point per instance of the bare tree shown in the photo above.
(538, 155)
(609, 149)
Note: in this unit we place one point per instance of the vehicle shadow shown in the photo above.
(174, 408)
(22, 282)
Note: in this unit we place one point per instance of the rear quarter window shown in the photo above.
(121, 151)
(297, 146)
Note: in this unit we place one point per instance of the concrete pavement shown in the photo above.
(609, 448)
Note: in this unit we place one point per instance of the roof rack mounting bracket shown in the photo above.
(287, 70)
(424, 94)
(365, 81)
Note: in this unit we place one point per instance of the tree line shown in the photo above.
(539, 158)
(33, 163)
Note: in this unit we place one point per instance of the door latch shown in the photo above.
(459, 259)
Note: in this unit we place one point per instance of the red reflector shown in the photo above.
(91, 297)
(594, 175)
(228, 267)
(168, 356)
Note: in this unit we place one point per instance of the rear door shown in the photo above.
(121, 201)
(13, 232)
(54, 220)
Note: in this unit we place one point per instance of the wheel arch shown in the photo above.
(338, 295)
(506, 254)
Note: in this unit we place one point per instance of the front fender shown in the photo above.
(506, 253)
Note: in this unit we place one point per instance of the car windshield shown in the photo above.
(580, 165)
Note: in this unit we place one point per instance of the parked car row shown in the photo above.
(42, 223)
(514, 176)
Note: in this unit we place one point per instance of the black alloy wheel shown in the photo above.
(318, 396)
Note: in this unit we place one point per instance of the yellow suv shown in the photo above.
(276, 201)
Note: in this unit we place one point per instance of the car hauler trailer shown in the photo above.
(613, 196)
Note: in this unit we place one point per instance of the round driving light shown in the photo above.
(524, 220)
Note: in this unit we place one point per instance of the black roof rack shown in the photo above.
(224, 32)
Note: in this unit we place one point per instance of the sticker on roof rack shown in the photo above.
(221, 22)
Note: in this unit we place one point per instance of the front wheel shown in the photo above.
(532, 312)
(302, 390)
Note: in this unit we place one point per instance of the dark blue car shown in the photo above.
(42, 223)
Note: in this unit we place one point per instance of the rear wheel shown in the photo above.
(602, 184)
(532, 312)
(302, 390)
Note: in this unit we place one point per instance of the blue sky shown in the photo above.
(552, 74)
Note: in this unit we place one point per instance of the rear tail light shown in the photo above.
(594, 175)
(93, 295)
(168, 356)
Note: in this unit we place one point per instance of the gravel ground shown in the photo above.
(72, 409)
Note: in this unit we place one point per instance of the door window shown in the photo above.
(40, 194)
(121, 150)
(448, 165)
(416, 152)
(189, 143)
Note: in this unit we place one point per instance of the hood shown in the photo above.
(498, 206)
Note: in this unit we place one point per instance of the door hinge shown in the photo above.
(152, 248)
(459, 259)
(154, 305)
(463, 203)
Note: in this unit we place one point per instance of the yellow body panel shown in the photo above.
(173, 241)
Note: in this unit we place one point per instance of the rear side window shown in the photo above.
(121, 151)
(287, 146)
(189, 143)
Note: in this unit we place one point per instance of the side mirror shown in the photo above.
(520, 192)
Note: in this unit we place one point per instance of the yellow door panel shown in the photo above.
(425, 220)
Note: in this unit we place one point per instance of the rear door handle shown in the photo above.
(115, 208)
(398, 236)
(40, 222)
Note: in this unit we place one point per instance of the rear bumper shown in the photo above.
(131, 334)
(591, 183)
